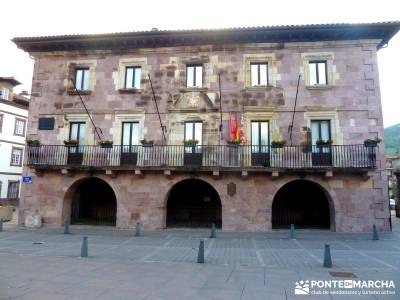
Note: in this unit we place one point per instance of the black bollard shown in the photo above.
(137, 229)
(200, 255)
(1, 224)
(375, 235)
(84, 249)
(292, 232)
(213, 235)
(66, 227)
(327, 257)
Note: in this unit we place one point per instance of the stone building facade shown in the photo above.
(253, 186)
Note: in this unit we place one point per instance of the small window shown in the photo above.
(13, 189)
(4, 93)
(318, 72)
(46, 123)
(194, 76)
(259, 74)
(133, 77)
(16, 157)
(19, 128)
(82, 79)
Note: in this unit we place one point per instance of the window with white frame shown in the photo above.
(82, 79)
(16, 157)
(133, 77)
(19, 128)
(194, 76)
(318, 72)
(259, 74)
(13, 189)
(4, 93)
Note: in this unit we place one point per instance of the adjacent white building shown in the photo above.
(13, 120)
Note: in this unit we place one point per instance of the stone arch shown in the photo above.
(74, 189)
(319, 207)
(193, 202)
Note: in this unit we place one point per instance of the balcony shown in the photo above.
(224, 157)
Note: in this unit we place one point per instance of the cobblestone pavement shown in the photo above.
(45, 263)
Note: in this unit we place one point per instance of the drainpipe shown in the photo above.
(397, 174)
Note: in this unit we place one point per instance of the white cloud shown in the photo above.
(49, 17)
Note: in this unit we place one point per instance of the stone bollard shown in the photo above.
(327, 257)
(66, 227)
(213, 234)
(137, 229)
(200, 255)
(292, 232)
(1, 224)
(84, 249)
(375, 235)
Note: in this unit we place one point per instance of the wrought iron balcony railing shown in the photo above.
(219, 156)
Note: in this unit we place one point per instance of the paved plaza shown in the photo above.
(46, 264)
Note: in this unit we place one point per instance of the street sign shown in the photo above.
(27, 179)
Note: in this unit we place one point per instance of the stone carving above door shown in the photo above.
(193, 101)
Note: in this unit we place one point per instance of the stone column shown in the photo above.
(397, 174)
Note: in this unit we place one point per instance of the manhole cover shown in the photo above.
(343, 274)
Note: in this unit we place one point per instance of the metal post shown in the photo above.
(375, 235)
(137, 230)
(292, 232)
(327, 257)
(66, 227)
(200, 255)
(213, 235)
(84, 249)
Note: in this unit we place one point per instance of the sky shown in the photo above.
(52, 17)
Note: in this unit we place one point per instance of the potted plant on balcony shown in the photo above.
(106, 143)
(33, 143)
(278, 144)
(190, 143)
(322, 142)
(372, 142)
(71, 143)
(147, 143)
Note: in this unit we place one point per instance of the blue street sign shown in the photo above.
(27, 179)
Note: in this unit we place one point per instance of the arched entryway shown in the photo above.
(93, 203)
(302, 203)
(193, 203)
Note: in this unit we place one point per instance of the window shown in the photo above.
(259, 74)
(130, 136)
(16, 157)
(194, 131)
(77, 132)
(320, 130)
(133, 77)
(82, 79)
(4, 93)
(19, 127)
(1, 122)
(318, 72)
(259, 136)
(194, 76)
(13, 189)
